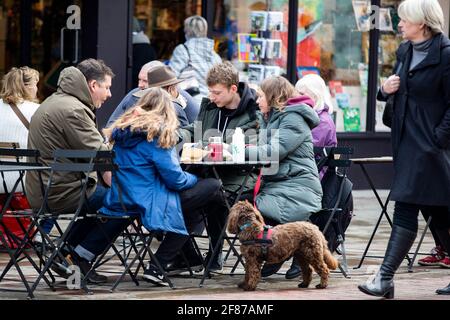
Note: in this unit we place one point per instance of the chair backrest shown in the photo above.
(10, 154)
(337, 201)
(10, 150)
(333, 157)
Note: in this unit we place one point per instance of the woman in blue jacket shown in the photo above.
(153, 184)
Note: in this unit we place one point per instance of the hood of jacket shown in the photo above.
(305, 110)
(72, 82)
(247, 103)
(202, 48)
(127, 139)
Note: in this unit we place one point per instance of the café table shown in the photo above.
(247, 168)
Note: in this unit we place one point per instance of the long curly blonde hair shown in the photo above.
(153, 114)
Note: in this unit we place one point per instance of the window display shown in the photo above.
(333, 41)
(389, 42)
(162, 21)
(253, 36)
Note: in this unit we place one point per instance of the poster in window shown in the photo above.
(244, 46)
(270, 71)
(352, 119)
(273, 49)
(275, 21)
(259, 20)
(257, 49)
(385, 20)
(362, 14)
(255, 73)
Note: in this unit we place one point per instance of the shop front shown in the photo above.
(335, 39)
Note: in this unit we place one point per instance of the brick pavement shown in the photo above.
(420, 284)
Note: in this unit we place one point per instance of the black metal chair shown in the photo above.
(336, 160)
(20, 248)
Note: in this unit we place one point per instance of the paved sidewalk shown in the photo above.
(421, 284)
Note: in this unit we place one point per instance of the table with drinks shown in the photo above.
(214, 157)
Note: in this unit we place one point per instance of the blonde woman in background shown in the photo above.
(19, 90)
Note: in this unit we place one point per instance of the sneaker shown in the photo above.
(445, 263)
(85, 266)
(436, 256)
(270, 269)
(153, 275)
(180, 265)
(216, 264)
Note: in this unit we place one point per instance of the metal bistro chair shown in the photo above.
(139, 242)
(20, 248)
(84, 162)
(337, 161)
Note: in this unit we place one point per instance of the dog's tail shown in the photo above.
(331, 261)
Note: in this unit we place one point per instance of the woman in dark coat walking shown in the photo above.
(420, 135)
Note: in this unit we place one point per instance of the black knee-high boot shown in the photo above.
(399, 244)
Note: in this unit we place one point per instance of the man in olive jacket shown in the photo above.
(66, 120)
(231, 104)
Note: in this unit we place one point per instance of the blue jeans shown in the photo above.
(87, 237)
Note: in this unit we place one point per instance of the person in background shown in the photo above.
(420, 135)
(19, 92)
(143, 51)
(197, 54)
(313, 86)
(18, 103)
(144, 141)
(294, 193)
(182, 98)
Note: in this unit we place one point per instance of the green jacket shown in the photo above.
(206, 125)
(293, 192)
(65, 120)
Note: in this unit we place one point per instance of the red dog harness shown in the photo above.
(263, 239)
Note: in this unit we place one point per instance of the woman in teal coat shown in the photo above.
(293, 192)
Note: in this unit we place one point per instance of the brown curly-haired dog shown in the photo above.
(303, 240)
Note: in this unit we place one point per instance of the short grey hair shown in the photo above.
(195, 27)
(428, 12)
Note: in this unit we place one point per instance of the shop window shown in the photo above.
(162, 22)
(389, 42)
(333, 41)
(253, 35)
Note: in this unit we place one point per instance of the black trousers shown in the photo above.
(406, 216)
(433, 226)
(217, 214)
(192, 201)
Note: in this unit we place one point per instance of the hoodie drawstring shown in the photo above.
(218, 123)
